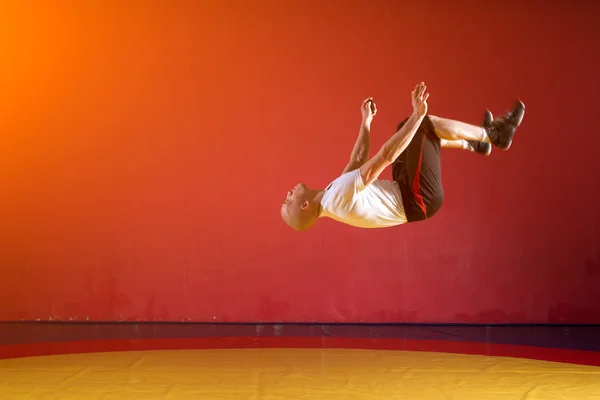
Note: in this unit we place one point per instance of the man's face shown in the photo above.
(294, 200)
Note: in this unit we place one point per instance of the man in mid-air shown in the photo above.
(358, 198)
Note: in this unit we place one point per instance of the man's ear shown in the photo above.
(304, 205)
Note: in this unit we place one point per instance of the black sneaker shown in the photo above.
(480, 147)
(502, 130)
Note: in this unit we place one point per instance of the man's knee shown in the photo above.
(427, 126)
(435, 205)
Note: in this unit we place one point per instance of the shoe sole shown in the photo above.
(519, 103)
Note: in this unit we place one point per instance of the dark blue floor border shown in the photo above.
(573, 337)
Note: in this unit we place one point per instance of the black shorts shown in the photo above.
(418, 172)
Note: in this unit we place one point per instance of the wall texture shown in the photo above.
(145, 149)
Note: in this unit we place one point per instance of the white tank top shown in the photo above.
(349, 201)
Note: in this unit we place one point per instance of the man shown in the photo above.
(360, 199)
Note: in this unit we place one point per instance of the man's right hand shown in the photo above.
(419, 100)
(395, 145)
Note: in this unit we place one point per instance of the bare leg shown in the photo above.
(455, 144)
(448, 129)
(497, 132)
(469, 145)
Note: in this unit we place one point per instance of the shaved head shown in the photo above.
(299, 210)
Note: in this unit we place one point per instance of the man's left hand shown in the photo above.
(368, 110)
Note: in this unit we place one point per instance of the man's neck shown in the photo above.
(317, 196)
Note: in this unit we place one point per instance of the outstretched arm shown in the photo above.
(388, 153)
(360, 152)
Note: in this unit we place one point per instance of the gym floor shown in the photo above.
(289, 361)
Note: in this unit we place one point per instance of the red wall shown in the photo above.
(145, 150)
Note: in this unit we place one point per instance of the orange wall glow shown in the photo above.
(146, 146)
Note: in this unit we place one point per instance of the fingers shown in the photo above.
(419, 91)
(422, 88)
(369, 104)
(419, 98)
